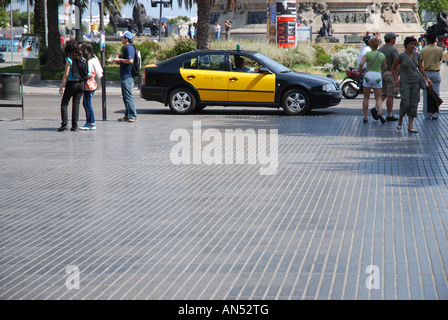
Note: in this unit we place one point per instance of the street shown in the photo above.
(181, 207)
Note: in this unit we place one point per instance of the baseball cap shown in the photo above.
(128, 35)
(390, 35)
(366, 39)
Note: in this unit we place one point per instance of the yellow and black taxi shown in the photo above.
(194, 80)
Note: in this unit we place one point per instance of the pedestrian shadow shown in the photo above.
(46, 129)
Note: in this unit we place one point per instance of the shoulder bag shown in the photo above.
(433, 100)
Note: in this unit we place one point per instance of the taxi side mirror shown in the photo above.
(264, 70)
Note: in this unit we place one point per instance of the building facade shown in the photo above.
(349, 18)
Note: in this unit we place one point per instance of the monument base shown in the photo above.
(326, 39)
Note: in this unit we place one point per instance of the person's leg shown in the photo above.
(389, 106)
(378, 100)
(436, 80)
(425, 105)
(64, 106)
(128, 98)
(78, 90)
(365, 101)
(389, 92)
(87, 104)
(414, 99)
(404, 104)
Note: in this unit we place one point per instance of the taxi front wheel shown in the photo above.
(296, 102)
(182, 101)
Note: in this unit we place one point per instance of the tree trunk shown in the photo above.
(39, 23)
(54, 58)
(203, 34)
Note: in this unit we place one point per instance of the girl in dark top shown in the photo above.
(73, 87)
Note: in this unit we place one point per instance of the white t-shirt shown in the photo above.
(217, 28)
(97, 66)
(363, 51)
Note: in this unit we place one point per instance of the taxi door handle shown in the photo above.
(233, 79)
(191, 77)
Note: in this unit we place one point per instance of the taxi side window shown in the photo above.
(214, 62)
(248, 62)
(190, 64)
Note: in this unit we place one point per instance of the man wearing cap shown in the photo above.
(365, 48)
(389, 91)
(127, 80)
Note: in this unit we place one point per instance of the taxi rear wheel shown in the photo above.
(182, 101)
(296, 102)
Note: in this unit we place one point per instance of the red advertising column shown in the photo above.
(286, 23)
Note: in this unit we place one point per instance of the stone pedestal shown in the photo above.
(348, 17)
(327, 39)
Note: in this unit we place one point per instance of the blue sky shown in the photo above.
(127, 10)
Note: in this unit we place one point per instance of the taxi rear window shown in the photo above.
(206, 62)
(190, 64)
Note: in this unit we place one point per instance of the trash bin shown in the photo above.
(10, 86)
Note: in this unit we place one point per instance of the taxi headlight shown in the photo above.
(328, 87)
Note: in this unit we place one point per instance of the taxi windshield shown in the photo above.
(272, 64)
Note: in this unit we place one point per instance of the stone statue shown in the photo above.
(143, 21)
(441, 27)
(116, 20)
(327, 28)
(326, 32)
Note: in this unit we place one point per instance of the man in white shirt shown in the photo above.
(365, 48)
(217, 29)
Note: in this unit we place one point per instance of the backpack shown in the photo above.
(80, 69)
(136, 66)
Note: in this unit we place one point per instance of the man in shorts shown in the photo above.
(389, 91)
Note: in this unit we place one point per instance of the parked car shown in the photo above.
(194, 80)
(2, 57)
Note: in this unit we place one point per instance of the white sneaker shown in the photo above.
(428, 116)
(87, 127)
(435, 116)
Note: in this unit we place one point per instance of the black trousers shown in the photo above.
(73, 90)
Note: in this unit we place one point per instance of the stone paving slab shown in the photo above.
(347, 200)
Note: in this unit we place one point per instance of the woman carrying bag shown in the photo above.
(409, 81)
(372, 78)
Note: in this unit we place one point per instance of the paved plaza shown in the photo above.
(349, 211)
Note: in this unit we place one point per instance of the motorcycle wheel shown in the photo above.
(348, 91)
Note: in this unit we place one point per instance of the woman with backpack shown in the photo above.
(90, 85)
(73, 80)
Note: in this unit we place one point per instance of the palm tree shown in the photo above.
(204, 7)
(55, 60)
(55, 56)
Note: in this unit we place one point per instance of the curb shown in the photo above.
(51, 87)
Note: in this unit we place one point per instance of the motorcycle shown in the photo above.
(351, 85)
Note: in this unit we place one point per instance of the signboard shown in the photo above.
(30, 46)
(304, 33)
(102, 40)
(286, 23)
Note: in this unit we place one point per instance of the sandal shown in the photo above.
(398, 128)
(380, 116)
(412, 131)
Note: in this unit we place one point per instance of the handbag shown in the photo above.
(423, 82)
(433, 100)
